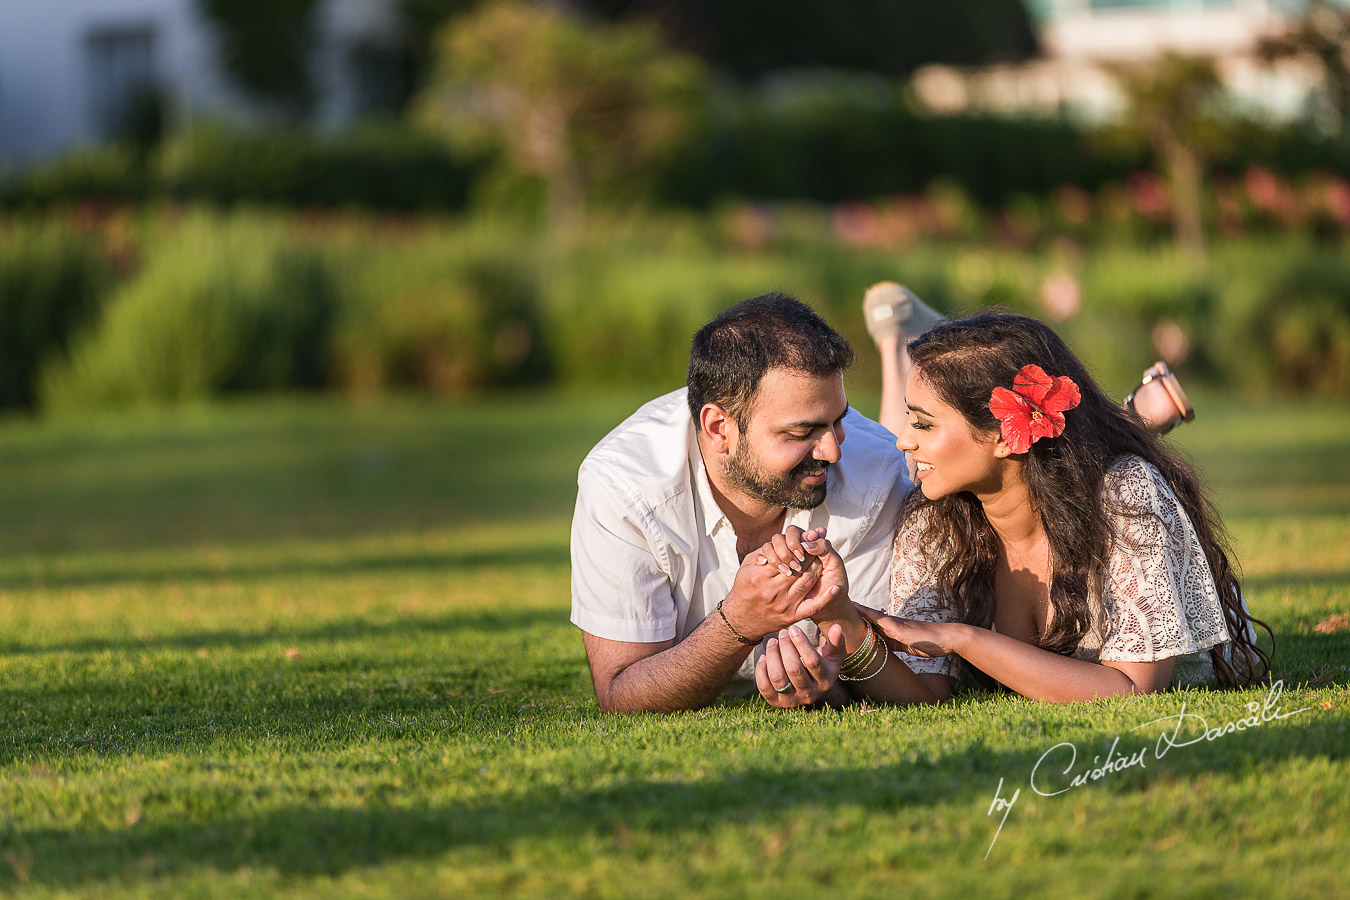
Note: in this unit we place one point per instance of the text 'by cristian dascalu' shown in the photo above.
(1056, 771)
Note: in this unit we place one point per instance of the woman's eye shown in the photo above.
(922, 426)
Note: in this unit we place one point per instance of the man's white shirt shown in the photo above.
(653, 554)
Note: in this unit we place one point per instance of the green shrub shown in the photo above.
(448, 312)
(376, 166)
(244, 302)
(112, 172)
(52, 284)
(226, 304)
(382, 167)
(1306, 324)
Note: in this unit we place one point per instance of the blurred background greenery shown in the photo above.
(560, 193)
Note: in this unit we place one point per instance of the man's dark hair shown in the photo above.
(730, 354)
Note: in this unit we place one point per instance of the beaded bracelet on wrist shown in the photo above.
(732, 628)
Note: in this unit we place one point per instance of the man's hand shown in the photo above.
(793, 673)
(793, 549)
(765, 599)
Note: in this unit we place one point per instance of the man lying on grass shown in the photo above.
(678, 503)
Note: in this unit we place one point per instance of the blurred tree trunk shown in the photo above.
(1187, 183)
(1172, 102)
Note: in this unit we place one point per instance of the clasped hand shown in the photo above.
(803, 576)
(794, 576)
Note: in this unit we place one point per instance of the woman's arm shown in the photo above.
(1027, 669)
(893, 683)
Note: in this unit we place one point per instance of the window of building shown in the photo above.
(123, 80)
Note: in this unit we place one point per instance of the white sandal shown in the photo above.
(890, 310)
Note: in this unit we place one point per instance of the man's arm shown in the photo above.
(665, 676)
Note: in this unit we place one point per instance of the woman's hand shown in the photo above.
(930, 639)
(792, 550)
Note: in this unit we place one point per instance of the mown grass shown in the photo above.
(301, 648)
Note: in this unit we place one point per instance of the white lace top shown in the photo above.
(1159, 601)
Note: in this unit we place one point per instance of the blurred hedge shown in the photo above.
(380, 166)
(818, 145)
(252, 301)
(223, 305)
(443, 311)
(52, 284)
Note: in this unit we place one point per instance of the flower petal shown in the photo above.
(1032, 383)
(1049, 424)
(1003, 402)
(1063, 395)
(1015, 419)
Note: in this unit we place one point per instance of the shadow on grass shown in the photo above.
(535, 554)
(1313, 658)
(498, 623)
(350, 680)
(303, 840)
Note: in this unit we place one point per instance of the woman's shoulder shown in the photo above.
(1129, 467)
(1133, 482)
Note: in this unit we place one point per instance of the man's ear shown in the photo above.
(717, 427)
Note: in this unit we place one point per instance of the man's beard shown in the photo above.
(743, 471)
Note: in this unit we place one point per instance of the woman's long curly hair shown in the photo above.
(963, 361)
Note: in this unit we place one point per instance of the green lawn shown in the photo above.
(300, 648)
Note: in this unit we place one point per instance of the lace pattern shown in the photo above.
(914, 595)
(1159, 596)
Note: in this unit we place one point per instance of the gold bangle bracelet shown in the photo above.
(882, 649)
(861, 657)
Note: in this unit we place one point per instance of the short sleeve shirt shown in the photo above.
(653, 554)
(1159, 598)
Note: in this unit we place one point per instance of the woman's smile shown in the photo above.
(936, 431)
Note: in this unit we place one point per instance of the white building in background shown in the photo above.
(68, 68)
(1084, 40)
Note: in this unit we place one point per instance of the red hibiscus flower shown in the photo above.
(1034, 408)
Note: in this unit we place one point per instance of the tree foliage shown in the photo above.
(264, 46)
(1322, 36)
(575, 103)
(752, 38)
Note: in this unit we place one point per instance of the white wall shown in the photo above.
(340, 25)
(45, 105)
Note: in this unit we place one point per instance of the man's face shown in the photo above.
(792, 436)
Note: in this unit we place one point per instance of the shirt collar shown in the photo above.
(709, 513)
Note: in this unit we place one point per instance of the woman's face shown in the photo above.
(948, 455)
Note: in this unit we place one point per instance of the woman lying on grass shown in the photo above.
(1051, 545)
